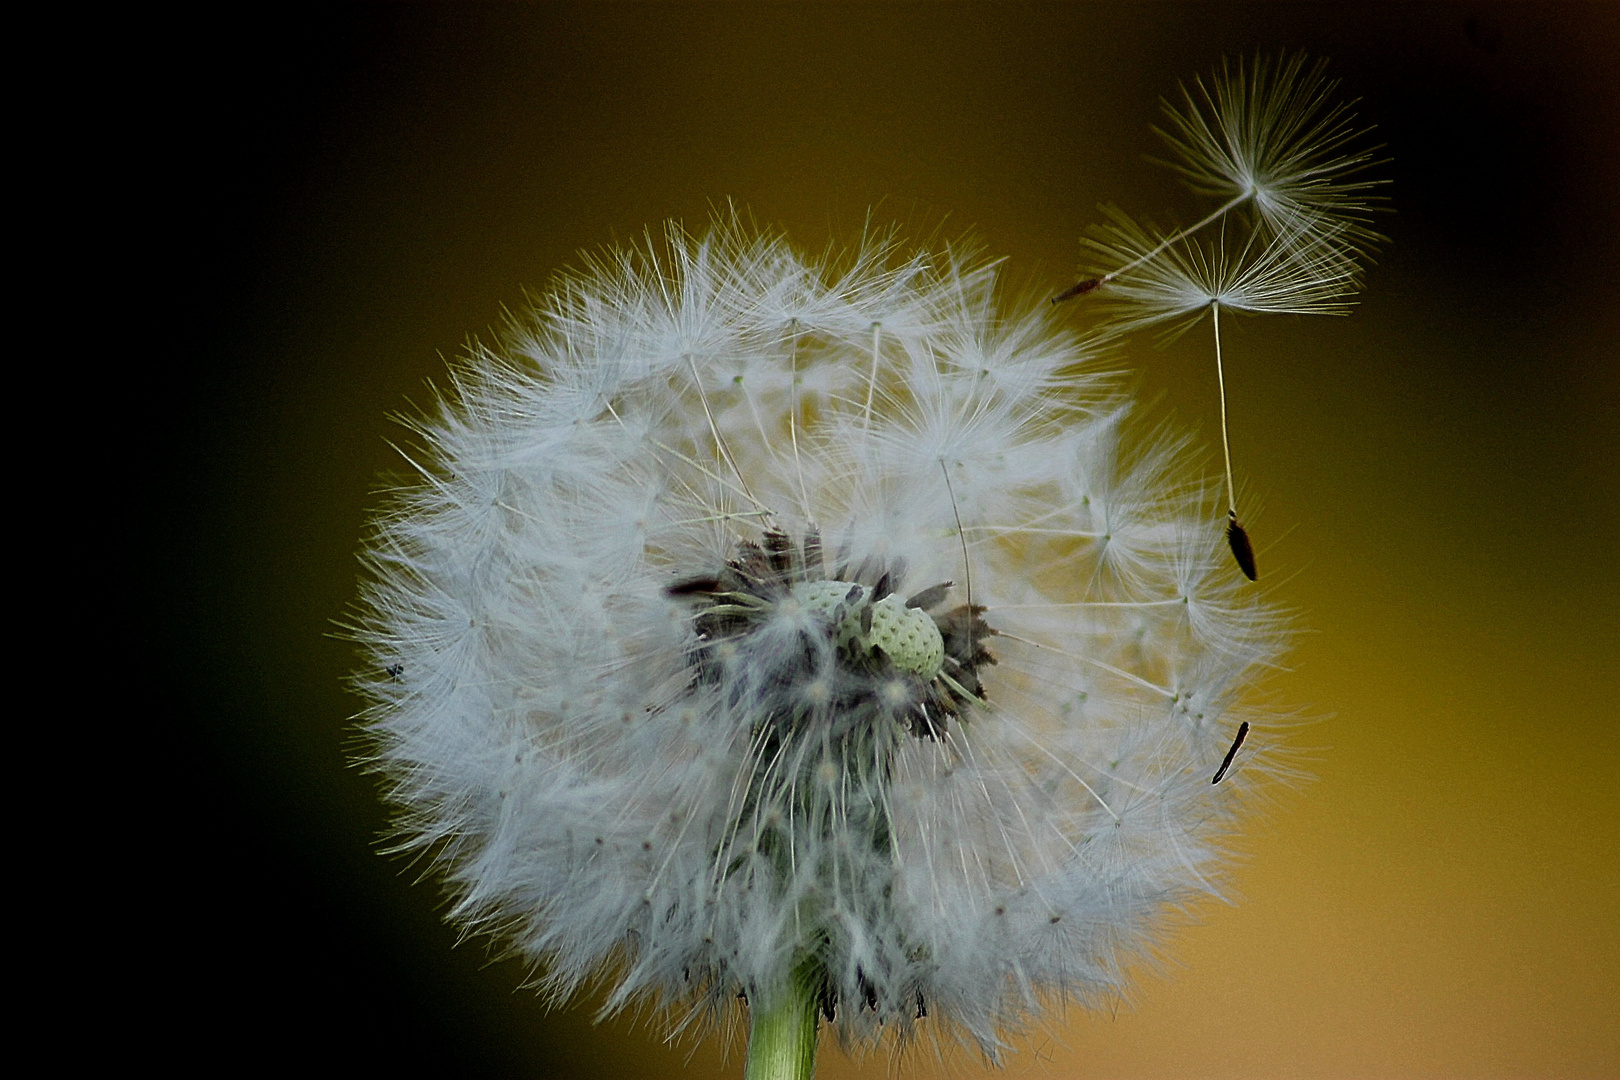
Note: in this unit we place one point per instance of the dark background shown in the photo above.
(353, 191)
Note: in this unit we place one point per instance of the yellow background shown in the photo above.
(1432, 483)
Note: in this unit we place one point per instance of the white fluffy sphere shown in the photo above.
(750, 613)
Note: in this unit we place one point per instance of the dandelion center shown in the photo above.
(846, 650)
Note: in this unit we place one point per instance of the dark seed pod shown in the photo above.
(779, 552)
(1078, 288)
(1238, 540)
(884, 586)
(931, 596)
(1243, 733)
(813, 570)
(694, 586)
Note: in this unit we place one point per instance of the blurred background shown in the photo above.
(358, 190)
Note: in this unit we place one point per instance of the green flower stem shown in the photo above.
(782, 1042)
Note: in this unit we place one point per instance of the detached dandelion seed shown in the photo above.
(1268, 139)
(1237, 538)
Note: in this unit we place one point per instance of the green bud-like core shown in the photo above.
(908, 636)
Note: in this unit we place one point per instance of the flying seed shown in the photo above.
(1243, 733)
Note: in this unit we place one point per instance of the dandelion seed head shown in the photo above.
(750, 611)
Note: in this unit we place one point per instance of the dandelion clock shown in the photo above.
(820, 642)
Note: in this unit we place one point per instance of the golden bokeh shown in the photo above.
(1432, 482)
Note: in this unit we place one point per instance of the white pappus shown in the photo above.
(755, 622)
